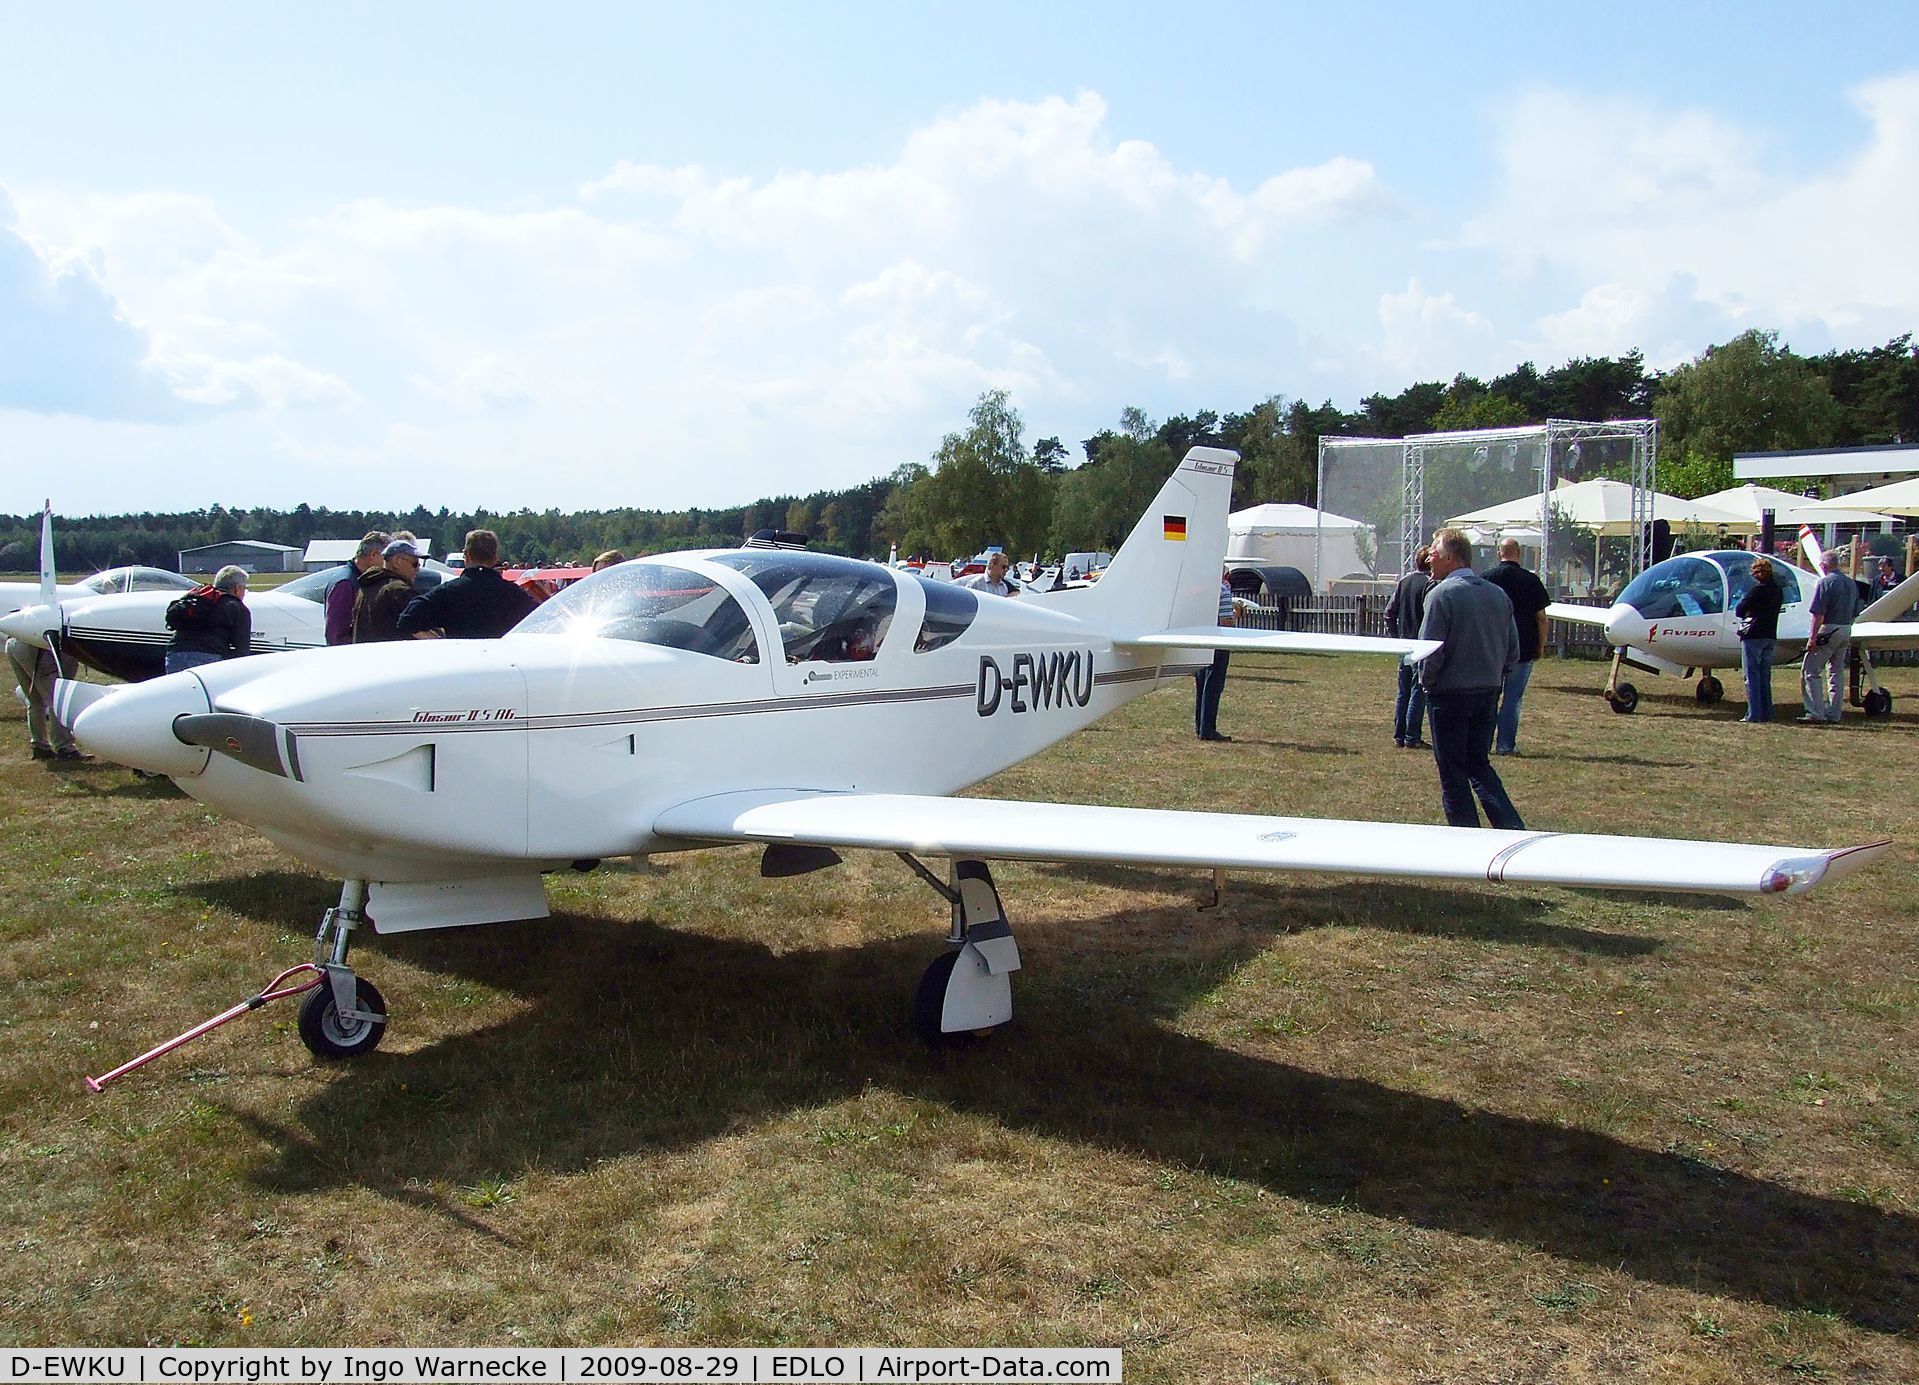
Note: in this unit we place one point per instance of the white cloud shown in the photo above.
(1642, 202)
(818, 326)
(1426, 335)
(66, 344)
(830, 323)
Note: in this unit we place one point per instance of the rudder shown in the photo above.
(1166, 575)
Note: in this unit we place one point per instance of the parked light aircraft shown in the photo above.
(15, 595)
(126, 635)
(1677, 617)
(798, 702)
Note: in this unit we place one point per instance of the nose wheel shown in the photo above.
(329, 1033)
(345, 1016)
(1623, 699)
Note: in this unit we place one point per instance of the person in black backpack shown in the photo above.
(211, 623)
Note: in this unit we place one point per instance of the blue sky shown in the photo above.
(584, 255)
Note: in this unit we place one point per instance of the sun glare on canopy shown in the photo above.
(650, 603)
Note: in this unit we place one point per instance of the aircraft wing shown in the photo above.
(1898, 601)
(1274, 642)
(1578, 615)
(1886, 634)
(1003, 830)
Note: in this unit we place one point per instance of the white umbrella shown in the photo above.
(1899, 498)
(1605, 507)
(1787, 508)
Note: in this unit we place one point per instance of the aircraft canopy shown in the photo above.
(1700, 584)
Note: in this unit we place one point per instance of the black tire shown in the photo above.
(1878, 702)
(929, 999)
(329, 1036)
(1624, 699)
(1709, 691)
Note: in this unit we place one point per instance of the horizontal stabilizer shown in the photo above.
(1000, 830)
(1578, 615)
(71, 697)
(1276, 642)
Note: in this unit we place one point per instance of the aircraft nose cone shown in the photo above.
(134, 726)
(30, 623)
(1624, 626)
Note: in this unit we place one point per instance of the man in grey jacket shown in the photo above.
(1478, 648)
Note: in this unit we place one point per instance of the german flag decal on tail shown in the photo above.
(1176, 528)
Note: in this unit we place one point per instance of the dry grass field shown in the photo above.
(1336, 1130)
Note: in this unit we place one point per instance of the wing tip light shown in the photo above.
(1801, 873)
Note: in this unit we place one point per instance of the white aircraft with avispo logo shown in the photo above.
(1678, 618)
(793, 701)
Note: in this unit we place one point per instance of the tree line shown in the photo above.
(984, 485)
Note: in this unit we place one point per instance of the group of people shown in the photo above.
(380, 601)
(1490, 630)
(1834, 606)
(1406, 618)
(375, 601)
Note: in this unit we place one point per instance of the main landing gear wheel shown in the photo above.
(967, 991)
(1623, 699)
(331, 1034)
(1878, 703)
(929, 1002)
(1709, 691)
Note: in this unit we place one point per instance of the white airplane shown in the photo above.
(125, 635)
(15, 595)
(794, 701)
(1677, 618)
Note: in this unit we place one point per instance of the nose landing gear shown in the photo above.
(345, 1016)
(1621, 697)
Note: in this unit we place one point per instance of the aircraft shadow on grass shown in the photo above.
(643, 1038)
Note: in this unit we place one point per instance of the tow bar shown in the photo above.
(274, 991)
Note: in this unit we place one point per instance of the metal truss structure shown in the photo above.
(1573, 449)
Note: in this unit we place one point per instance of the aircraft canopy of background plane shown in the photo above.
(124, 634)
(112, 582)
(1703, 584)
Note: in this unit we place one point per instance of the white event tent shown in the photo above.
(1605, 507)
(1899, 498)
(1314, 541)
(1787, 508)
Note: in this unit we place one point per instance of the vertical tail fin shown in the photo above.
(49, 592)
(1809, 547)
(1166, 574)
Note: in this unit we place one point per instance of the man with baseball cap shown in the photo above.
(385, 591)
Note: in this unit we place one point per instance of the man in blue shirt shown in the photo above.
(1478, 649)
(1835, 604)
